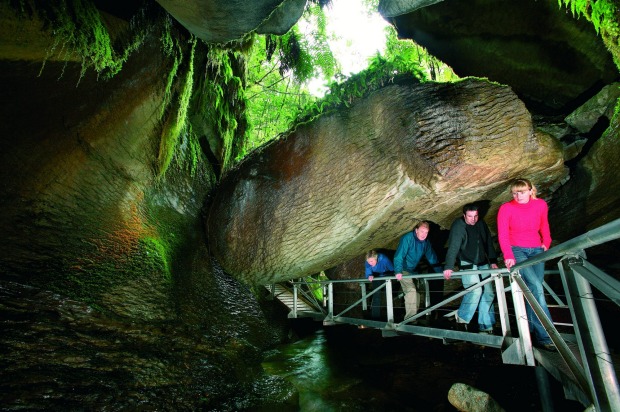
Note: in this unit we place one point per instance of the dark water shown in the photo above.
(342, 368)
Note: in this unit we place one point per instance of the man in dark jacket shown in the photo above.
(470, 241)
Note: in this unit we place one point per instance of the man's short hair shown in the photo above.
(470, 207)
(422, 223)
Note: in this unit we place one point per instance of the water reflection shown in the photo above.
(307, 364)
(345, 369)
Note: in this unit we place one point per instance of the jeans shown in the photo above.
(533, 277)
(481, 298)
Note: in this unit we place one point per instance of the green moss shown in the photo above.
(79, 31)
(223, 98)
(603, 14)
(177, 120)
(157, 252)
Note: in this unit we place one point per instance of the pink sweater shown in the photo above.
(524, 225)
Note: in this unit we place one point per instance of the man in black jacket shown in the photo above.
(470, 241)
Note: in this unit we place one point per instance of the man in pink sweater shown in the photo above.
(523, 231)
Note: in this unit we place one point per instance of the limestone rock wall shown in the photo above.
(108, 295)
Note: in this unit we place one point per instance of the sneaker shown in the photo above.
(459, 320)
(486, 332)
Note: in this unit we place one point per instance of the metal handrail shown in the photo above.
(595, 237)
(601, 384)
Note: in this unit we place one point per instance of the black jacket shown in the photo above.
(462, 245)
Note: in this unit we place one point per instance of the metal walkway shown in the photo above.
(583, 362)
(300, 302)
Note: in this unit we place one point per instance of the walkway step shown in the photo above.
(285, 296)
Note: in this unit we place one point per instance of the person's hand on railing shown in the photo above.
(399, 276)
(447, 273)
(510, 263)
(370, 278)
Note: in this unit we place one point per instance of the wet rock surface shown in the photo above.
(61, 354)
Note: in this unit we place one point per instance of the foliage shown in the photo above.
(177, 120)
(410, 56)
(604, 16)
(277, 101)
(79, 31)
(275, 97)
(379, 73)
(279, 68)
(222, 97)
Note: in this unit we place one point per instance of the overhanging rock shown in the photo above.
(361, 177)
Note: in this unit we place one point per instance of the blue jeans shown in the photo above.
(533, 277)
(481, 298)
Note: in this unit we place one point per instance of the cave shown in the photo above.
(135, 250)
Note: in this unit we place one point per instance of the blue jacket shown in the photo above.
(409, 252)
(384, 264)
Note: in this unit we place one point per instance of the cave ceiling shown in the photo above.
(553, 61)
(217, 21)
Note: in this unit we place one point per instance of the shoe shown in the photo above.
(459, 320)
(486, 332)
(460, 325)
(549, 347)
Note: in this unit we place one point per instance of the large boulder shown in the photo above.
(361, 177)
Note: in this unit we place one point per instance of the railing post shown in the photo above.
(295, 300)
(364, 303)
(324, 295)
(502, 305)
(389, 301)
(427, 294)
(590, 336)
(522, 322)
(330, 292)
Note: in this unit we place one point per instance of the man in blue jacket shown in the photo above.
(377, 264)
(411, 248)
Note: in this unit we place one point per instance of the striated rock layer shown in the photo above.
(362, 177)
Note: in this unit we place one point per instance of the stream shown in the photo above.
(342, 368)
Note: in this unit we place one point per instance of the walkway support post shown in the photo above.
(364, 302)
(522, 324)
(502, 305)
(602, 379)
(389, 301)
(561, 346)
(295, 301)
(330, 290)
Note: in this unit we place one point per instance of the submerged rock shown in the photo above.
(466, 398)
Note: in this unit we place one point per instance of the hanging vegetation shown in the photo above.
(604, 16)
